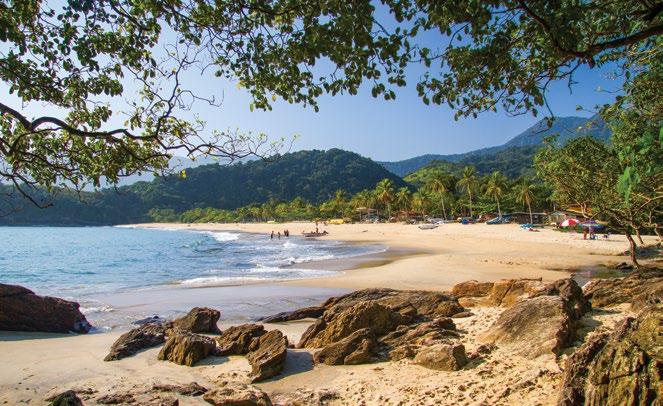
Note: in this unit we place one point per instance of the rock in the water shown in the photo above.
(303, 313)
(570, 292)
(237, 394)
(379, 318)
(199, 320)
(145, 336)
(359, 347)
(641, 289)
(186, 348)
(534, 327)
(623, 368)
(442, 357)
(22, 310)
(67, 398)
(267, 356)
(190, 389)
(236, 339)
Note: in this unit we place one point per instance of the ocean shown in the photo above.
(119, 274)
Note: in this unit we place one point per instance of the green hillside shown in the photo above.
(314, 176)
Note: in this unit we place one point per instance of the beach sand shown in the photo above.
(32, 365)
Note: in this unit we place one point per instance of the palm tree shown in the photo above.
(468, 182)
(403, 198)
(438, 184)
(384, 192)
(524, 192)
(495, 188)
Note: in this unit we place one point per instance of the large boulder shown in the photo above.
(186, 348)
(140, 338)
(358, 348)
(572, 294)
(299, 314)
(642, 288)
(236, 394)
(267, 355)
(199, 320)
(534, 327)
(380, 318)
(406, 341)
(66, 398)
(442, 357)
(622, 368)
(503, 293)
(236, 340)
(22, 310)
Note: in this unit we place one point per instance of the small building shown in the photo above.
(524, 217)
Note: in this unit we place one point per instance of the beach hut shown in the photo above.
(366, 214)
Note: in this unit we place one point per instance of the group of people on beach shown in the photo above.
(286, 233)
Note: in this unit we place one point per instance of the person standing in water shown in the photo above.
(279, 235)
(271, 236)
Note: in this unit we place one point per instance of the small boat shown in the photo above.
(315, 234)
(428, 226)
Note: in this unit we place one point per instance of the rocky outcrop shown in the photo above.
(570, 292)
(299, 314)
(121, 398)
(67, 398)
(359, 347)
(190, 389)
(306, 397)
(534, 327)
(503, 293)
(236, 394)
(236, 340)
(199, 320)
(186, 348)
(642, 288)
(267, 355)
(140, 338)
(406, 341)
(622, 368)
(379, 318)
(22, 310)
(442, 357)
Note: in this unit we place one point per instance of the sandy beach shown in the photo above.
(32, 365)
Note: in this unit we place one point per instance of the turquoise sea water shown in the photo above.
(85, 263)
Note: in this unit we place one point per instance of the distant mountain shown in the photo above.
(312, 175)
(566, 128)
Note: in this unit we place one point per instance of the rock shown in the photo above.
(622, 368)
(186, 348)
(534, 327)
(472, 289)
(641, 289)
(67, 398)
(149, 320)
(442, 357)
(405, 341)
(237, 339)
(116, 399)
(305, 397)
(503, 293)
(190, 389)
(199, 320)
(462, 315)
(267, 356)
(145, 336)
(358, 348)
(381, 319)
(22, 310)
(572, 294)
(299, 314)
(237, 394)
(624, 266)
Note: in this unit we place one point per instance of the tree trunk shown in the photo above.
(637, 233)
(632, 247)
(529, 208)
(658, 233)
(499, 212)
(470, 194)
(444, 210)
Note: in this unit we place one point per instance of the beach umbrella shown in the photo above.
(569, 223)
(592, 224)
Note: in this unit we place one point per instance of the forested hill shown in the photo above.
(312, 175)
(522, 145)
